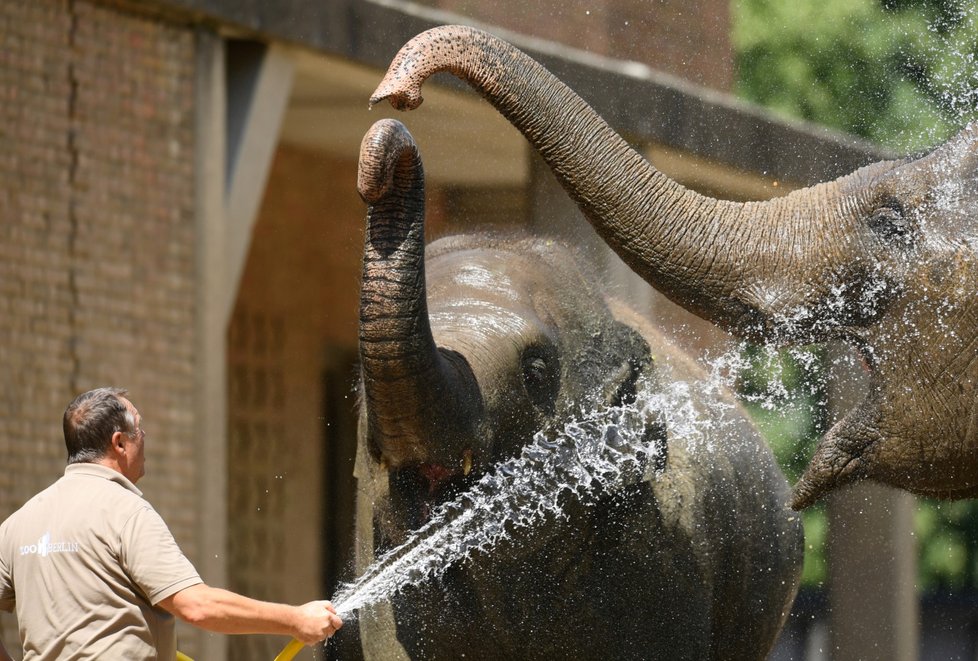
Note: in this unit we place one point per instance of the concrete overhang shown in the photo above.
(463, 141)
(343, 46)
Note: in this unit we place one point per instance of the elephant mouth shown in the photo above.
(442, 483)
(865, 352)
(950, 493)
(423, 487)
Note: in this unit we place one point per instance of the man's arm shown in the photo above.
(222, 611)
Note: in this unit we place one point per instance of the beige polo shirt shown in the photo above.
(85, 562)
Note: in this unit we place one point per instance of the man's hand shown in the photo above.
(223, 611)
(316, 621)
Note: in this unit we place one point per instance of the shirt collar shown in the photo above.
(98, 470)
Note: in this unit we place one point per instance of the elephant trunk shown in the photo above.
(701, 252)
(414, 394)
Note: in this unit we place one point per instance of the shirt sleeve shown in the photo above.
(7, 596)
(152, 558)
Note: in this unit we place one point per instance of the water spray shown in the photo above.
(597, 452)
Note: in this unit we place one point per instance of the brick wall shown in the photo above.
(96, 240)
(687, 38)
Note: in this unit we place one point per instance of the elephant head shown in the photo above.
(471, 348)
(497, 370)
(883, 258)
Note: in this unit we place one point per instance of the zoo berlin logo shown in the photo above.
(44, 546)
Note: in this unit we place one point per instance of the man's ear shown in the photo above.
(118, 443)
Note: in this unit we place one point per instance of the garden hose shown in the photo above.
(289, 651)
(287, 654)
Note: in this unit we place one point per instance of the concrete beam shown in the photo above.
(644, 105)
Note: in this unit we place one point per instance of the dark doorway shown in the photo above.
(339, 489)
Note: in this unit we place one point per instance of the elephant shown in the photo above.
(883, 259)
(472, 346)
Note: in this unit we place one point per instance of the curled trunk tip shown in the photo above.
(443, 48)
(385, 147)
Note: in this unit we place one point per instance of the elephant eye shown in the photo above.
(541, 378)
(889, 221)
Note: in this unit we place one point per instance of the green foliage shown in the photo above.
(784, 392)
(815, 570)
(902, 73)
(947, 534)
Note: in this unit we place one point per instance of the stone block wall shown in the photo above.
(96, 241)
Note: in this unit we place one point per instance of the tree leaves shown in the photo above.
(902, 73)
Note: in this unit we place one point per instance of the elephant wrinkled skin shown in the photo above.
(469, 349)
(884, 258)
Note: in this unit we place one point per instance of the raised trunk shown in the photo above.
(413, 392)
(703, 253)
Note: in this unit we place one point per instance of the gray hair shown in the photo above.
(91, 419)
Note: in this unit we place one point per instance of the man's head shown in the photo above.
(102, 426)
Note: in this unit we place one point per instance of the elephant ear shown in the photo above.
(622, 387)
(636, 373)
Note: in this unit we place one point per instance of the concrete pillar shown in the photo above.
(872, 572)
(874, 607)
(211, 378)
(242, 90)
(259, 80)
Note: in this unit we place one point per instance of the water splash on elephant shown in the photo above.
(600, 451)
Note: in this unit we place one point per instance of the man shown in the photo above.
(93, 570)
